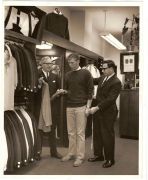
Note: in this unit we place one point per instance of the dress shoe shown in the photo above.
(38, 157)
(108, 163)
(96, 158)
(56, 155)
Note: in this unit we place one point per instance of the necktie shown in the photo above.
(105, 79)
(47, 75)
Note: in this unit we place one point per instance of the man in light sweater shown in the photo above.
(79, 86)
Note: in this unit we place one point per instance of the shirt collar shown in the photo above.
(57, 12)
(78, 69)
(110, 76)
(45, 73)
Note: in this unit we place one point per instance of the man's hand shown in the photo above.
(94, 109)
(40, 82)
(60, 92)
(87, 111)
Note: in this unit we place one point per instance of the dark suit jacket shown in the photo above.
(107, 94)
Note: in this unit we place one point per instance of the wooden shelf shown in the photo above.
(64, 43)
(11, 35)
(129, 113)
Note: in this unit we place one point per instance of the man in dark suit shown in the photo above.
(105, 112)
(52, 79)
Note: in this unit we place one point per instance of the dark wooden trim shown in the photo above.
(17, 37)
(64, 43)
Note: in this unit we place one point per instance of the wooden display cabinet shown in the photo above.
(129, 113)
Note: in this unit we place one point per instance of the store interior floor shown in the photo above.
(126, 157)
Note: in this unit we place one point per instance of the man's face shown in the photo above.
(47, 66)
(107, 71)
(73, 63)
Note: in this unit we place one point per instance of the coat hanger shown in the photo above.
(33, 14)
(14, 41)
(57, 11)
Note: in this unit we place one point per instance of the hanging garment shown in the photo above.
(12, 16)
(4, 155)
(95, 74)
(23, 64)
(26, 139)
(18, 21)
(57, 24)
(28, 135)
(10, 81)
(45, 118)
(7, 13)
(37, 139)
(34, 68)
(30, 70)
(27, 117)
(27, 72)
(19, 129)
(16, 55)
(10, 144)
(16, 149)
(28, 23)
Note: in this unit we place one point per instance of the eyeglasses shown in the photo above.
(48, 63)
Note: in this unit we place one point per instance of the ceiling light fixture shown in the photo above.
(111, 39)
(44, 45)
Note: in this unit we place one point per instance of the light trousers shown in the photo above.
(76, 124)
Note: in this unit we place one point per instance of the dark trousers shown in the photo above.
(51, 140)
(103, 135)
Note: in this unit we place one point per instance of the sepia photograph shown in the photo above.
(72, 75)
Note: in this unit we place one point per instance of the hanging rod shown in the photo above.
(11, 41)
(17, 37)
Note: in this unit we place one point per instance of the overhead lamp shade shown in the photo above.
(113, 41)
(44, 45)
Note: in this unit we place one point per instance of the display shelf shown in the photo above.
(64, 43)
(14, 36)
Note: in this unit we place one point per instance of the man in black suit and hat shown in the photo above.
(105, 112)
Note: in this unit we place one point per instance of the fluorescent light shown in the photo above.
(113, 41)
(44, 45)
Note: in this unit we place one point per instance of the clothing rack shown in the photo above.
(20, 104)
(9, 40)
(17, 37)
